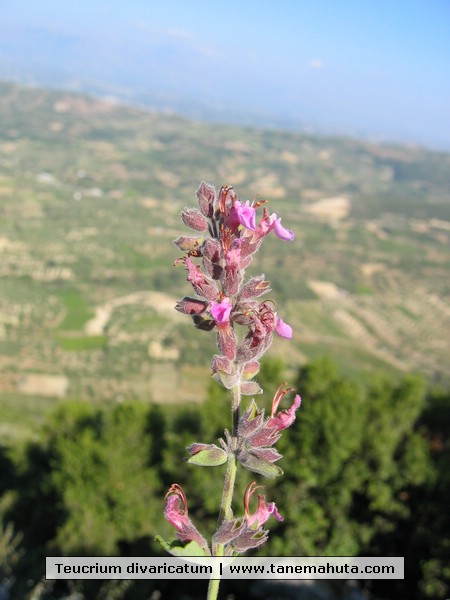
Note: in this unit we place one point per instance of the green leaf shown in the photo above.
(252, 410)
(259, 465)
(227, 380)
(209, 456)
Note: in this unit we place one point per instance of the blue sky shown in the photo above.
(379, 68)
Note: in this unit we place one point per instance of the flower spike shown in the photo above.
(225, 239)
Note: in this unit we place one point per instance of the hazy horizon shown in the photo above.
(378, 70)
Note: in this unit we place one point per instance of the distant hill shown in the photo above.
(90, 195)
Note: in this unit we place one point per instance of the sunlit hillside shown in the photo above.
(90, 196)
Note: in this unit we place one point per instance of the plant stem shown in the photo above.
(236, 407)
(213, 589)
(228, 486)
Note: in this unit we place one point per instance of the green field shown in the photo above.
(90, 196)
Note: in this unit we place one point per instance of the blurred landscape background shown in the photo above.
(110, 116)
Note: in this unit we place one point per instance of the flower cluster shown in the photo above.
(223, 299)
(241, 534)
(257, 435)
(236, 535)
(228, 233)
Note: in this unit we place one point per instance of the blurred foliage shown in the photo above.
(366, 466)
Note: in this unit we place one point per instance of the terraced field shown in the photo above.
(90, 194)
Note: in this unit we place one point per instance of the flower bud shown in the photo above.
(250, 539)
(232, 274)
(212, 258)
(251, 369)
(251, 421)
(226, 199)
(191, 306)
(188, 243)
(202, 285)
(229, 531)
(194, 219)
(253, 346)
(227, 341)
(206, 455)
(206, 195)
(223, 364)
(255, 287)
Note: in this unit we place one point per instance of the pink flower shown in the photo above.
(265, 225)
(263, 511)
(283, 329)
(269, 222)
(281, 232)
(221, 311)
(246, 214)
(242, 214)
(259, 434)
(285, 418)
(176, 508)
(176, 513)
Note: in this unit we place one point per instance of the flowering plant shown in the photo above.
(227, 238)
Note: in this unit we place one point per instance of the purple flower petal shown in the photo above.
(281, 232)
(175, 513)
(284, 418)
(246, 214)
(263, 511)
(221, 310)
(283, 329)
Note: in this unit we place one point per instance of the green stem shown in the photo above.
(228, 486)
(213, 589)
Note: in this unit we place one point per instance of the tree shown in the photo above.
(349, 459)
(367, 473)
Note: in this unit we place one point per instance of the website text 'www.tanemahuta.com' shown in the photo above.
(268, 567)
